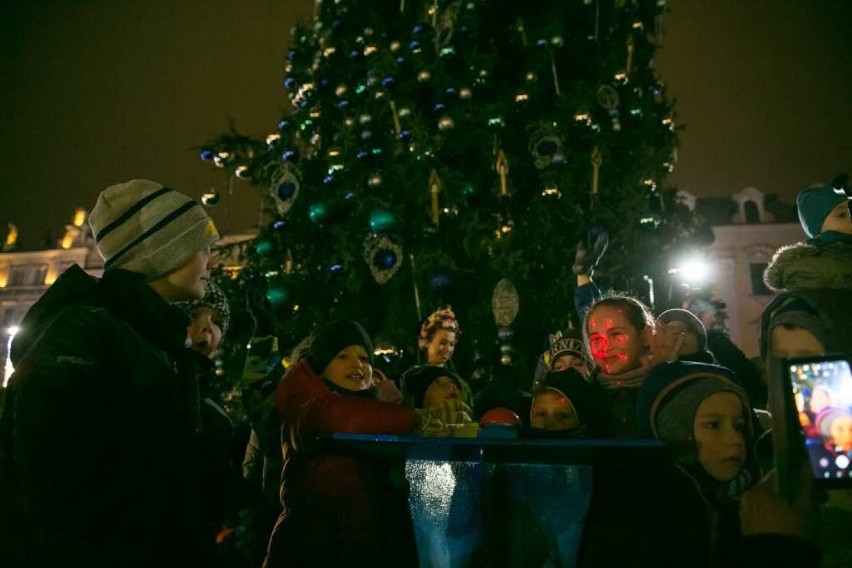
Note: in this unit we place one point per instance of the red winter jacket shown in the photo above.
(337, 502)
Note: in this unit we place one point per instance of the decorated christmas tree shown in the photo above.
(432, 149)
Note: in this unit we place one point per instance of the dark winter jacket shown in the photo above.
(807, 265)
(340, 508)
(103, 412)
(728, 355)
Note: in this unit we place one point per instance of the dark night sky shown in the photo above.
(93, 92)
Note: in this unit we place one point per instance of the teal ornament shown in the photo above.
(277, 295)
(263, 247)
(318, 212)
(383, 255)
(381, 220)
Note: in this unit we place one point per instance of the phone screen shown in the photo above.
(822, 392)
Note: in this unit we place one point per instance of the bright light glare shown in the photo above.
(692, 271)
(8, 369)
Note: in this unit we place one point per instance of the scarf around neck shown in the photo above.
(627, 379)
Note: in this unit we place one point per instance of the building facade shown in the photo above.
(25, 275)
(748, 229)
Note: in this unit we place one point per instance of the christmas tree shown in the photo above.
(433, 149)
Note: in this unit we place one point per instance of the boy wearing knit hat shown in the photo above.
(334, 496)
(703, 415)
(825, 259)
(563, 402)
(104, 399)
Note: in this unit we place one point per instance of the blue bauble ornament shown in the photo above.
(385, 258)
(381, 220)
(441, 282)
(286, 190)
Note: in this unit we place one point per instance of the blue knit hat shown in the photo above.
(814, 205)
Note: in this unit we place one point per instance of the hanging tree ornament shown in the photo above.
(502, 168)
(545, 147)
(608, 98)
(597, 160)
(631, 47)
(434, 190)
(505, 304)
(383, 255)
(284, 188)
(445, 25)
(397, 127)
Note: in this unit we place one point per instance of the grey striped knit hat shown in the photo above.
(144, 227)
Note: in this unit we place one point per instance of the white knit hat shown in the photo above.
(144, 227)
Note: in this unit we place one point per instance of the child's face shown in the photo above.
(841, 432)
(551, 410)
(838, 220)
(718, 430)
(615, 344)
(440, 348)
(569, 361)
(794, 341)
(205, 330)
(350, 369)
(187, 282)
(440, 391)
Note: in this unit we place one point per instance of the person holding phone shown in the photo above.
(805, 323)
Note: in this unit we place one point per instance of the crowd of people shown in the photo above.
(115, 449)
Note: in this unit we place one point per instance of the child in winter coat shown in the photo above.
(825, 259)
(333, 500)
(703, 415)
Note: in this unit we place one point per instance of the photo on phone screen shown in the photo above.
(822, 391)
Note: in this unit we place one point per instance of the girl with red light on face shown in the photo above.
(625, 342)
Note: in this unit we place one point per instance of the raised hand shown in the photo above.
(589, 252)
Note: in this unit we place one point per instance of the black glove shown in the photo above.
(590, 251)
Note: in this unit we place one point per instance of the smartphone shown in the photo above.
(817, 411)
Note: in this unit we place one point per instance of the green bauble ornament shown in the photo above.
(381, 220)
(263, 247)
(277, 295)
(318, 212)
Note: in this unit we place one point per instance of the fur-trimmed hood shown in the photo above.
(805, 266)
